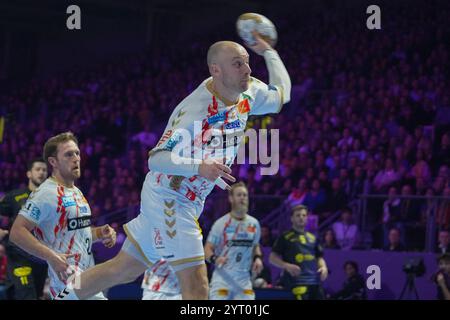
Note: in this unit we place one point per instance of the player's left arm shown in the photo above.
(321, 263)
(104, 233)
(278, 92)
(257, 265)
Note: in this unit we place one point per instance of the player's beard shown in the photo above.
(240, 209)
(244, 84)
(76, 173)
(37, 182)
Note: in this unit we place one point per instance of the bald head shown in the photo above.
(220, 49)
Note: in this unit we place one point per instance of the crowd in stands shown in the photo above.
(370, 114)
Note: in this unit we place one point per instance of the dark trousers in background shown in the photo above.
(25, 277)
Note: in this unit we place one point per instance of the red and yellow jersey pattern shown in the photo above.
(63, 223)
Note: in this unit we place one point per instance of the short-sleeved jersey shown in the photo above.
(161, 278)
(63, 218)
(203, 127)
(236, 240)
(301, 249)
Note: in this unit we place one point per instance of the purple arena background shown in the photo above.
(368, 125)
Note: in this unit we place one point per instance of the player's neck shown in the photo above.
(299, 230)
(222, 93)
(237, 216)
(60, 180)
(31, 186)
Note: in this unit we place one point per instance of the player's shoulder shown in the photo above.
(256, 88)
(45, 191)
(223, 219)
(287, 235)
(311, 236)
(17, 193)
(252, 219)
(256, 85)
(199, 95)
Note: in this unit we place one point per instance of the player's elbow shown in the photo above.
(287, 92)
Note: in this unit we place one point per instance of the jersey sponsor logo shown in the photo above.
(68, 201)
(83, 209)
(240, 243)
(78, 223)
(33, 210)
(158, 239)
(303, 257)
(233, 125)
(217, 117)
(251, 228)
(190, 195)
(166, 136)
(224, 141)
(172, 141)
(243, 235)
(35, 213)
(243, 106)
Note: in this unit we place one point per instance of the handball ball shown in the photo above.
(248, 22)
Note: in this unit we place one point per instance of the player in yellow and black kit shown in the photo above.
(26, 275)
(300, 256)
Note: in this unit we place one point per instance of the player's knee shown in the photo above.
(196, 288)
(197, 291)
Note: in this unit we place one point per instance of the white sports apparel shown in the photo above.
(171, 205)
(160, 281)
(236, 240)
(63, 219)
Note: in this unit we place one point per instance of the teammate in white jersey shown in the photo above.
(233, 247)
(175, 189)
(60, 218)
(160, 283)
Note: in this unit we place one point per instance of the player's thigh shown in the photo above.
(193, 278)
(126, 265)
(167, 228)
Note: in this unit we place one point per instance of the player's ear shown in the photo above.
(214, 69)
(52, 161)
(29, 174)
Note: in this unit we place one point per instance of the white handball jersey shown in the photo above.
(203, 127)
(161, 278)
(235, 239)
(63, 219)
